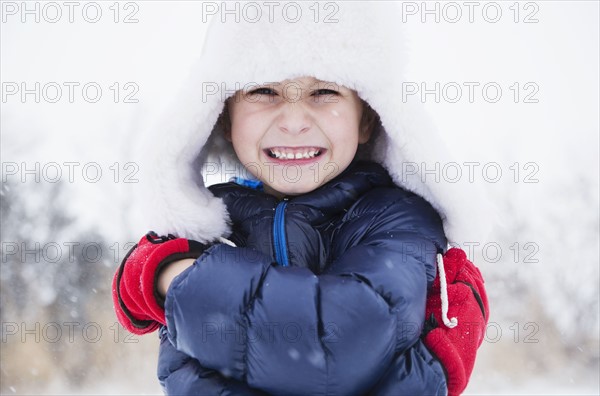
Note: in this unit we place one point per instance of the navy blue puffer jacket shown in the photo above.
(323, 295)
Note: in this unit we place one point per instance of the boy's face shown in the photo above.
(296, 135)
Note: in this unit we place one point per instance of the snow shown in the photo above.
(294, 354)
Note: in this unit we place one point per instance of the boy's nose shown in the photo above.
(294, 119)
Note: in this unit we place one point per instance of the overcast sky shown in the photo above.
(557, 57)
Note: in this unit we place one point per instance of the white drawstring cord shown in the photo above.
(226, 241)
(452, 322)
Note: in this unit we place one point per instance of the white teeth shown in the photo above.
(289, 155)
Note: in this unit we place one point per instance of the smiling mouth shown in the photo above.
(294, 153)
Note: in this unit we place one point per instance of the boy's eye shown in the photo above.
(262, 91)
(324, 95)
(324, 91)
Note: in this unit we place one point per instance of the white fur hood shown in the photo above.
(361, 47)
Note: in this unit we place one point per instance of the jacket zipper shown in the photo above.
(279, 240)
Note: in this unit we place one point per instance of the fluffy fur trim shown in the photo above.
(363, 50)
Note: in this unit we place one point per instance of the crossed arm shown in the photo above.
(276, 328)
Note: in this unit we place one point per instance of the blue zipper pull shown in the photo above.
(254, 184)
(279, 239)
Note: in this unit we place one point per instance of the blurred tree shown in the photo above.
(54, 273)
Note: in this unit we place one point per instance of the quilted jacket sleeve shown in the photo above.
(180, 374)
(286, 330)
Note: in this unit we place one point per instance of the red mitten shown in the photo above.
(139, 307)
(455, 341)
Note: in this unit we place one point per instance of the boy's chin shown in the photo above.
(292, 188)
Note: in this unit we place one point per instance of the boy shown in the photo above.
(324, 291)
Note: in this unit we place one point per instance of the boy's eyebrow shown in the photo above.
(329, 84)
(313, 84)
(252, 86)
